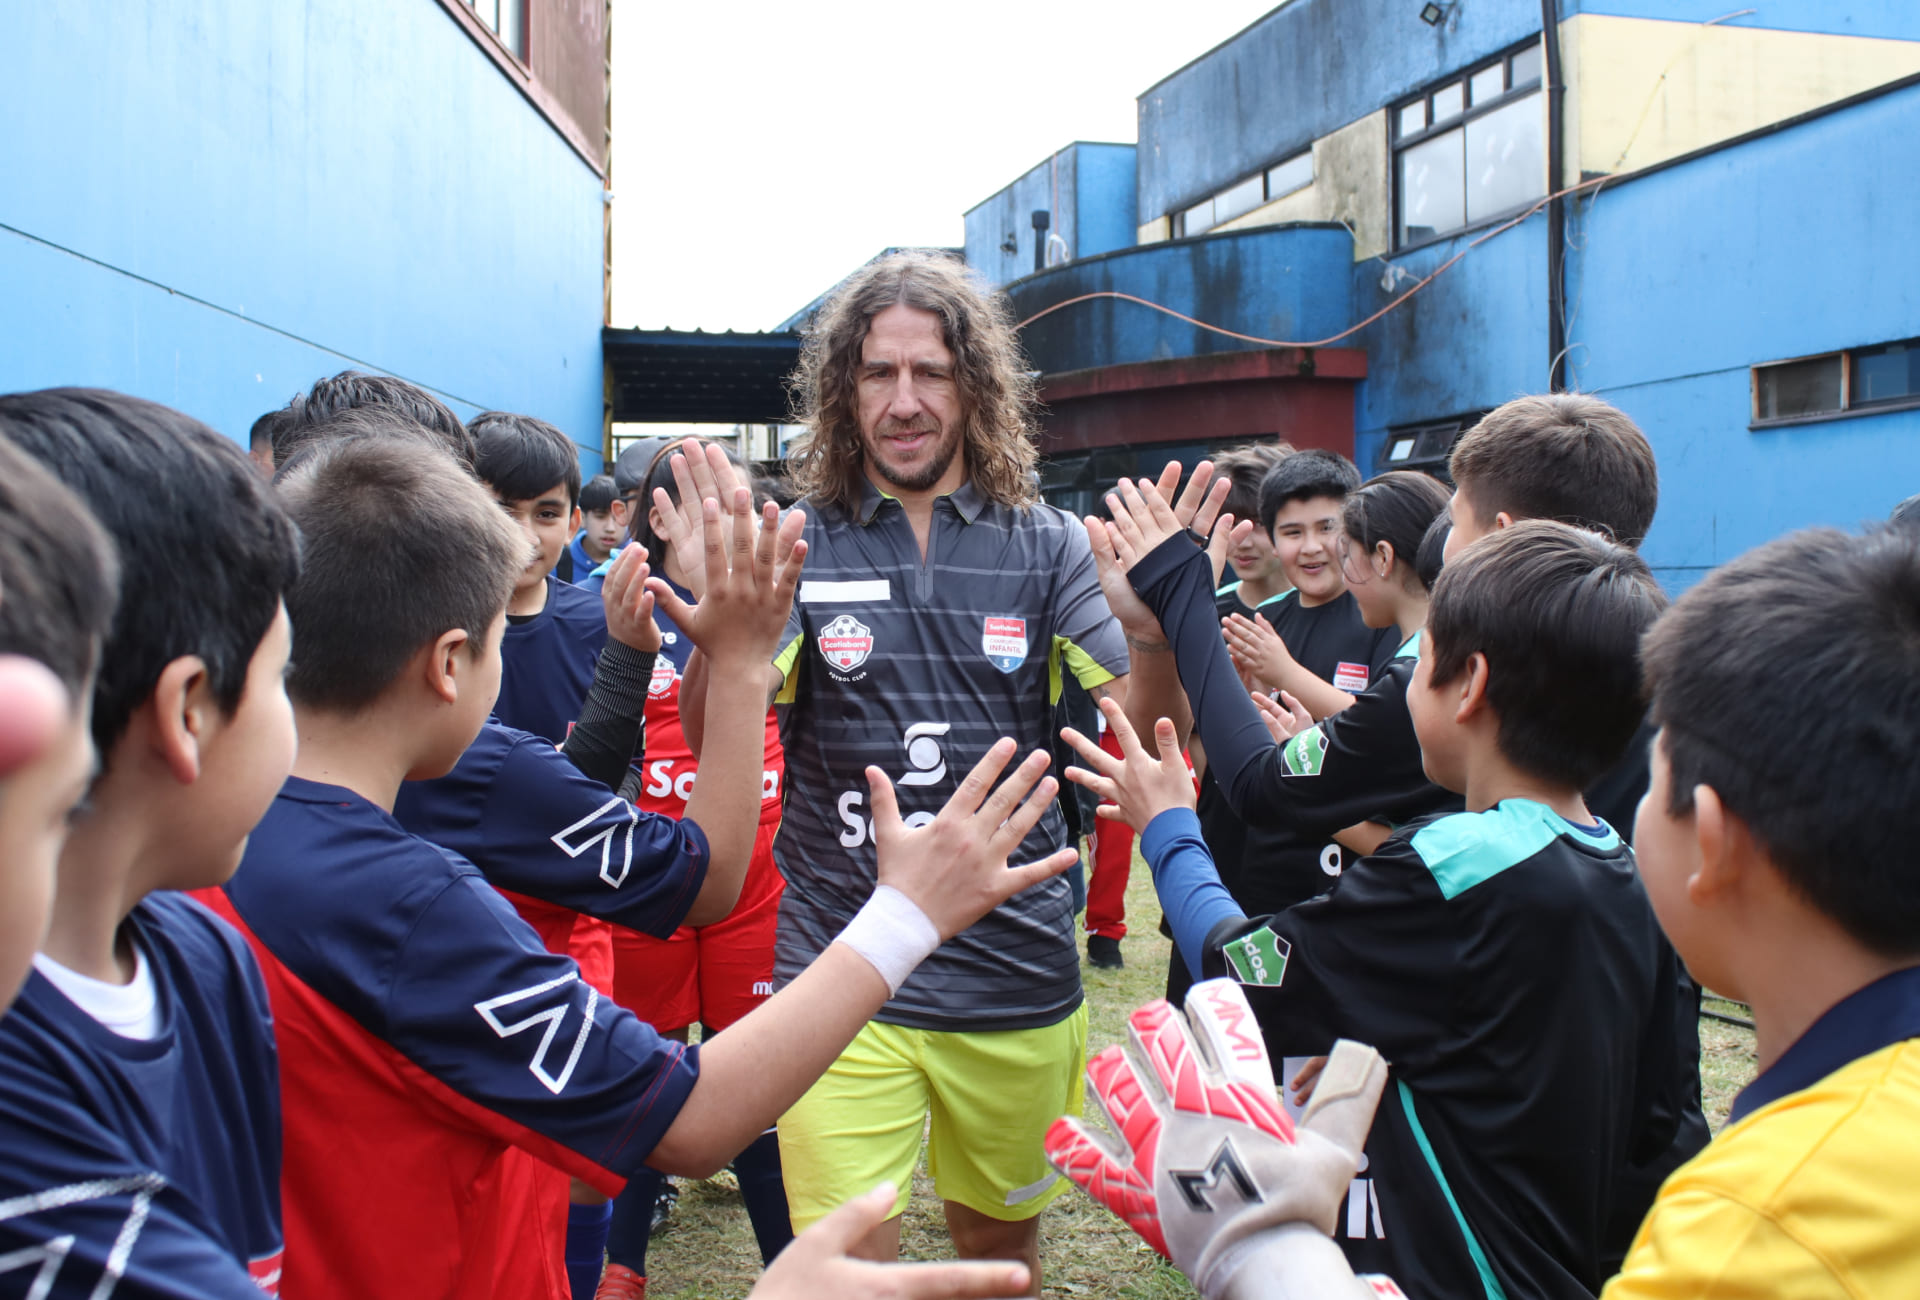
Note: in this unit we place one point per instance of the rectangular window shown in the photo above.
(506, 19)
(1882, 377)
(1472, 149)
(1296, 173)
(1425, 447)
(1886, 374)
(1239, 200)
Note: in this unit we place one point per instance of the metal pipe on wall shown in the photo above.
(1556, 208)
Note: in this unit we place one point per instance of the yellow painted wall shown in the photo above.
(1350, 184)
(1157, 231)
(1642, 90)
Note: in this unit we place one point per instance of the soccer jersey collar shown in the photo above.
(1883, 1013)
(967, 501)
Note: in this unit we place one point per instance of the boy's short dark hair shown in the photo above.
(269, 426)
(351, 390)
(1558, 612)
(596, 494)
(399, 544)
(59, 578)
(1564, 456)
(520, 457)
(1246, 467)
(206, 553)
(1303, 476)
(1789, 681)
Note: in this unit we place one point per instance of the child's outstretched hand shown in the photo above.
(628, 603)
(1284, 718)
(1137, 786)
(752, 564)
(954, 868)
(817, 1264)
(701, 472)
(1145, 513)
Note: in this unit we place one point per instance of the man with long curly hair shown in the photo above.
(944, 604)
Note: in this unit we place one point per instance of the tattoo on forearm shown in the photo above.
(1149, 647)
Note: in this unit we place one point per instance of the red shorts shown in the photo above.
(567, 932)
(711, 975)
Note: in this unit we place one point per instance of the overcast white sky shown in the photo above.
(763, 150)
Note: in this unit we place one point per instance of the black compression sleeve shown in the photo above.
(611, 732)
(1174, 580)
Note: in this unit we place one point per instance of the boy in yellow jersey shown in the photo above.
(1777, 842)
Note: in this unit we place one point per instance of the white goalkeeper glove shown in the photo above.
(1206, 1166)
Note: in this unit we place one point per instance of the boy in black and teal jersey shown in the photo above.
(1505, 960)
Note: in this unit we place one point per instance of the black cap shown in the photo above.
(635, 459)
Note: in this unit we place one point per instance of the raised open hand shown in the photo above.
(628, 603)
(752, 565)
(701, 472)
(1137, 786)
(955, 867)
(1202, 1157)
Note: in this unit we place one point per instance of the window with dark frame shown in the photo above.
(506, 19)
(1275, 181)
(1883, 377)
(1425, 447)
(1469, 149)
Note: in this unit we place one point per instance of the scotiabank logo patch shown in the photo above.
(660, 685)
(845, 643)
(1350, 677)
(1005, 642)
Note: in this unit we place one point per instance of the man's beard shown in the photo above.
(929, 473)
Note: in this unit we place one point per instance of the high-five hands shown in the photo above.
(817, 1264)
(701, 473)
(1202, 1161)
(628, 603)
(1137, 786)
(1116, 545)
(954, 868)
(752, 566)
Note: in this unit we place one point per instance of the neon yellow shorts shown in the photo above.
(991, 1096)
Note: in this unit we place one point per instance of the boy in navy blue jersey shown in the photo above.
(554, 632)
(58, 584)
(425, 1031)
(1505, 960)
(139, 1107)
(599, 537)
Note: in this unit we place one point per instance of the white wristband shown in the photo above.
(892, 933)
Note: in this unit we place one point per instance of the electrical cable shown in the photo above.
(1418, 285)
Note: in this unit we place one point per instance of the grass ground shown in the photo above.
(707, 1251)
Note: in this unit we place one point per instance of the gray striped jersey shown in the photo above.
(917, 668)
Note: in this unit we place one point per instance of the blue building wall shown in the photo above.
(213, 203)
(1087, 191)
(1312, 66)
(1794, 243)
(1296, 75)
(1288, 283)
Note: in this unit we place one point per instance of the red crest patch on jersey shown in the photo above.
(846, 642)
(1350, 677)
(660, 685)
